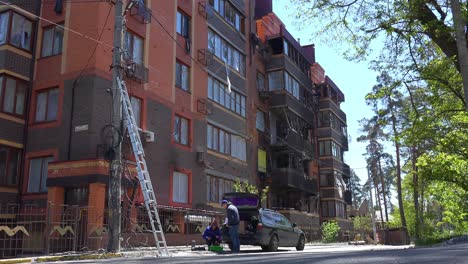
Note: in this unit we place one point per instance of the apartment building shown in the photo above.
(220, 89)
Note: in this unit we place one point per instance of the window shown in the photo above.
(9, 165)
(216, 187)
(134, 47)
(286, 47)
(291, 85)
(182, 76)
(52, 41)
(181, 130)
(261, 82)
(275, 80)
(324, 118)
(136, 109)
(325, 148)
(183, 24)
(47, 105)
(260, 121)
(226, 143)
(16, 30)
(38, 174)
(180, 187)
(238, 147)
(262, 164)
(12, 95)
(233, 101)
(226, 52)
(229, 13)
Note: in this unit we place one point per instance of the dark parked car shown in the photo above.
(263, 227)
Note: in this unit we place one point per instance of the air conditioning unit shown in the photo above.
(147, 136)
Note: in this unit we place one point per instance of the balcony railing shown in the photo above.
(292, 178)
(141, 12)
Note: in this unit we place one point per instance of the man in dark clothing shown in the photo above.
(212, 234)
(232, 224)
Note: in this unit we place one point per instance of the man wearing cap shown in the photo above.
(232, 224)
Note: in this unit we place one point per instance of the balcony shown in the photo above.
(292, 178)
(282, 99)
(140, 12)
(295, 141)
(327, 103)
(137, 72)
(328, 132)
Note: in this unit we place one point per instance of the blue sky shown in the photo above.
(354, 79)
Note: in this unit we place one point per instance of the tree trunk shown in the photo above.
(377, 197)
(417, 226)
(398, 165)
(384, 192)
(462, 44)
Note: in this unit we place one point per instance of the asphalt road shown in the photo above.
(350, 254)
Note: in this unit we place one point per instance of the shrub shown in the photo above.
(330, 231)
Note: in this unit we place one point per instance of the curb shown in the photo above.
(16, 260)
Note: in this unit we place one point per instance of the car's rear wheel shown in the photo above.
(301, 243)
(273, 245)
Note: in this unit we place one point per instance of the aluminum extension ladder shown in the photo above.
(142, 169)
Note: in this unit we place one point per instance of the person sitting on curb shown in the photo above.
(212, 234)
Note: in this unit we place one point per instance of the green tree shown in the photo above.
(362, 226)
(409, 30)
(356, 190)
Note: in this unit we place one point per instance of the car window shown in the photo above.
(285, 221)
(268, 218)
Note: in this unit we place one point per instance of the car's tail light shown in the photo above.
(259, 226)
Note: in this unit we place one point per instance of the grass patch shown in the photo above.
(435, 239)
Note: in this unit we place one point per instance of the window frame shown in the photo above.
(3, 83)
(54, 28)
(224, 51)
(10, 154)
(9, 30)
(139, 121)
(131, 49)
(47, 90)
(185, 22)
(188, 174)
(42, 177)
(178, 139)
(217, 90)
(179, 77)
(222, 7)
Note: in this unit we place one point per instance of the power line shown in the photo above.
(58, 25)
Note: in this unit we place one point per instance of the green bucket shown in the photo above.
(215, 248)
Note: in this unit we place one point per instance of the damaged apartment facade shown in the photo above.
(280, 125)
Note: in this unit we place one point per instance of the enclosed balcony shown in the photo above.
(289, 171)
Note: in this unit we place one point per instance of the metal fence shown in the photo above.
(30, 230)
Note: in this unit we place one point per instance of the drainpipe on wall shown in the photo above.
(28, 104)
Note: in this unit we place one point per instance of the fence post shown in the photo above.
(47, 227)
(186, 223)
(75, 237)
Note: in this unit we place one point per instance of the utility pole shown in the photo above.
(114, 205)
(374, 231)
